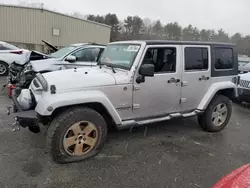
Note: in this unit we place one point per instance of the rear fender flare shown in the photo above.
(213, 90)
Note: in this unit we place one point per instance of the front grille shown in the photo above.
(245, 83)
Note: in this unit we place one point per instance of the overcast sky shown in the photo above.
(231, 15)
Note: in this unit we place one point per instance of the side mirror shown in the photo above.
(147, 70)
(70, 58)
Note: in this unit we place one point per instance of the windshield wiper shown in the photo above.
(113, 69)
(99, 63)
(108, 65)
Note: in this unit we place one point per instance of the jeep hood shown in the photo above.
(73, 79)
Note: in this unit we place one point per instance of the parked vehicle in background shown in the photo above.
(16, 57)
(244, 64)
(73, 56)
(244, 88)
(237, 178)
(16, 68)
(244, 67)
(8, 54)
(136, 83)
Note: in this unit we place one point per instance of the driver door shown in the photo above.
(159, 95)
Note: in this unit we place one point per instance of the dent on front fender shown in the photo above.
(75, 98)
(213, 90)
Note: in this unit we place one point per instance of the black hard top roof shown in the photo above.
(162, 42)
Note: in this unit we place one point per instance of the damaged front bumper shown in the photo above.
(28, 118)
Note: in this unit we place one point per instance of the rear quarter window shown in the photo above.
(224, 58)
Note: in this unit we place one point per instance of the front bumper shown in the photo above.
(244, 94)
(23, 118)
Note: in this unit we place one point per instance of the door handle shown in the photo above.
(173, 80)
(203, 78)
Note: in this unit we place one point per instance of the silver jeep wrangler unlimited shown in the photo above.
(135, 83)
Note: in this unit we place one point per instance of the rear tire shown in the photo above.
(4, 69)
(76, 134)
(217, 115)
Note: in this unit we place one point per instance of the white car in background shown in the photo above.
(244, 88)
(8, 54)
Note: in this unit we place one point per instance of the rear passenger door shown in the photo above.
(196, 75)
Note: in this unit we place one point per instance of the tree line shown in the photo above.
(136, 28)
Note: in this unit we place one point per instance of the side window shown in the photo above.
(87, 54)
(196, 59)
(7, 46)
(164, 59)
(223, 58)
(3, 47)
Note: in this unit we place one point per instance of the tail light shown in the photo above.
(19, 52)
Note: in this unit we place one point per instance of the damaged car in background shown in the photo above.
(8, 54)
(73, 56)
(17, 64)
(12, 58)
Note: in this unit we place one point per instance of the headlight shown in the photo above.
(39, 83)
(25, 99)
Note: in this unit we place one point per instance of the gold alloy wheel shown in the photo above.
(80, 138)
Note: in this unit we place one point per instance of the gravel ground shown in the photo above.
(171, 154)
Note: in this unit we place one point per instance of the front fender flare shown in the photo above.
(75, 98)
(213, 89)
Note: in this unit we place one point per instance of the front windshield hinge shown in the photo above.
(113, 69)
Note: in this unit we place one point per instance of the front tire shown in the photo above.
(4, 69)
(76, 134)
(217, 115)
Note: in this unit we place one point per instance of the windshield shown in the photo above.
(120, 55)
(62, 51)
(243, 63)
(247, 64)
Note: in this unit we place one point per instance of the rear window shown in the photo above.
(223, 58)
(7, 46)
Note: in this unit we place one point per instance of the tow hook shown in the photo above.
(15, 125)
(8, 110)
